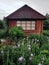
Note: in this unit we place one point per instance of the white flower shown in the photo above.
(29, 48)
(21, 59)
(2, 51)
(31, 55)
(37, 40)
(39, 64)
(18, 45)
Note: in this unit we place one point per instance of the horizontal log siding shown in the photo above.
(38, 27)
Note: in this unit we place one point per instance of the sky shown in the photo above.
(9, 6)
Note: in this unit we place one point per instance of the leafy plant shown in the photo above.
(46, 24)
(16, 32)
(27, 51)
(46, 33)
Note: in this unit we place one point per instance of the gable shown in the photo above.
(26, 12)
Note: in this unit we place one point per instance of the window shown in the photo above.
(33, 25)
(18, 23)
(26, 25)
(22, 24)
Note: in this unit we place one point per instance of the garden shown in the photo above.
(18, 49)
(28, 51)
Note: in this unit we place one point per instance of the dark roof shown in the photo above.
(26, 12)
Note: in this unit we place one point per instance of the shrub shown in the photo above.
(2, 33)
(45, 52)
(41, 39)
(46, 24)
(3, 29)
(16, 32)
(1, 24)
(45, 46)
(46, 33)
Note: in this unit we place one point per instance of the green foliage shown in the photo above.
(1, 24)
(31, 53)
(16, 32)
(35, 48)
(46, 24)
(3, 29)
(11, 54)
(45, 52)
(46, 32)
(37, 36)
(41, 39)
(2, 33)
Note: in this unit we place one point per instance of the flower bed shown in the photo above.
(28, 51)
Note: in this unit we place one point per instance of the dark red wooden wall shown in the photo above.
(38, 27)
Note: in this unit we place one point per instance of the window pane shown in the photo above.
(23, 22)
(28, 28)
(23, 28)
(33, 22)
(33, 25)
(28, 22)
(23, 25)
(33, 28)
(28, 25)
(18, 24)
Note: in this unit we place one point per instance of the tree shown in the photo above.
(3, 29)
(1, 24)
(47, 15)
(46, 22)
